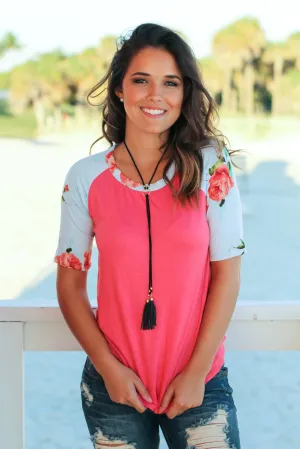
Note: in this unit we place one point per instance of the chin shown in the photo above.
(154, 129)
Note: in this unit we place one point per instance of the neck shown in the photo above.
(145, 147)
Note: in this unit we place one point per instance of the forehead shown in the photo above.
(155, 61)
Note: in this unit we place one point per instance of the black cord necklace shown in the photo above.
(149, 314)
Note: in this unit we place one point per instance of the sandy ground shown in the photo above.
(266, 385)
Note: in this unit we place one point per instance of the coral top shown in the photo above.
(99, 201)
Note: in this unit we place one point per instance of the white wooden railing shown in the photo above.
(39, 326)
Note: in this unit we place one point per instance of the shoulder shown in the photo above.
(218, 174)
(83, 172)
(212, 155)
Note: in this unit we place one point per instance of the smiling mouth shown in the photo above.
(153, 112)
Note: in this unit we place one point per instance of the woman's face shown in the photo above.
(152, 90)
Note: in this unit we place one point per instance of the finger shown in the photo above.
(134, 400)
(173, 411)
(137, 404)
(166, 399)
(142, 390)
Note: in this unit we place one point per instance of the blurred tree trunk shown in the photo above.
(57, 117)
(249, 88)
(40, 113)
(276, 100)
(226, 97)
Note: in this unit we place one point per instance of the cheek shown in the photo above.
(176, 108)
(133, 95)
(176, 101)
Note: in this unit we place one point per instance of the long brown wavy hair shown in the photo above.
(193, 130)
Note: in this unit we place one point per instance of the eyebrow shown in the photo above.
(148, 74)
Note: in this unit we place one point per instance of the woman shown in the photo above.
(163, 204)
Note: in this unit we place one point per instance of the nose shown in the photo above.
(154, 93)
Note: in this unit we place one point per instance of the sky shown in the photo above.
(74, 26)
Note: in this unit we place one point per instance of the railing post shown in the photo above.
(11, 385)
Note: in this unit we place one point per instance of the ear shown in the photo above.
(119, 92)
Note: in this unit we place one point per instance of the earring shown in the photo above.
(121, 99)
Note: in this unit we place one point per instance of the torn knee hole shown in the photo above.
(105, 444)
(111, 445)
(102, 442)
(85, 389)
(211, 433)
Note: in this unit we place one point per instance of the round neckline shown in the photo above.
(127, 182)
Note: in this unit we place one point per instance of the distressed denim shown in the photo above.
(212, 425)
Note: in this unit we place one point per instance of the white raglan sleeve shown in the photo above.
(76, 233)
(224, 208)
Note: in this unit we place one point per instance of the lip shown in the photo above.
(153, 109)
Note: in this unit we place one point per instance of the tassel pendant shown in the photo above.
(149, 315)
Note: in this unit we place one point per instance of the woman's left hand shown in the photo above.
(186, 390)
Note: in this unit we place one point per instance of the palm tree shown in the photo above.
(41, 84)
(275, 54)
(293, 44)
(289, 90)
(237, 47)
(9, 42)
(106, 49)
(82, 71)
(228, 60)
(213, 76)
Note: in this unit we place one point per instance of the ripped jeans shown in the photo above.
(210, 426)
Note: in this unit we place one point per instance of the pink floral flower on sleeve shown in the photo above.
(220, 183)
(87, 260)
(69, 260)
(110, 160)
(66, 189)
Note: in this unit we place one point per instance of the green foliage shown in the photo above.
(290, 84)
(67, 108)
(5, 80)
(4, 107)
(295, 37)
(57, 79)
(23, 126)
(243, 34)
(8, 42)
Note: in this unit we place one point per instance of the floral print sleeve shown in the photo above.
(224, 210)
(76, 226)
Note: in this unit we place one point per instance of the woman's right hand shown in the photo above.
(123, 384)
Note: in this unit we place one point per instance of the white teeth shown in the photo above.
(153, 111)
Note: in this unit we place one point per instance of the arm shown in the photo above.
(121, 382)
(219, 307)
(78, 314)
(224, 215)
(73, 256)
(226, 246)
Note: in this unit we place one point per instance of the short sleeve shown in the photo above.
(76, 233)
(224, 209)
